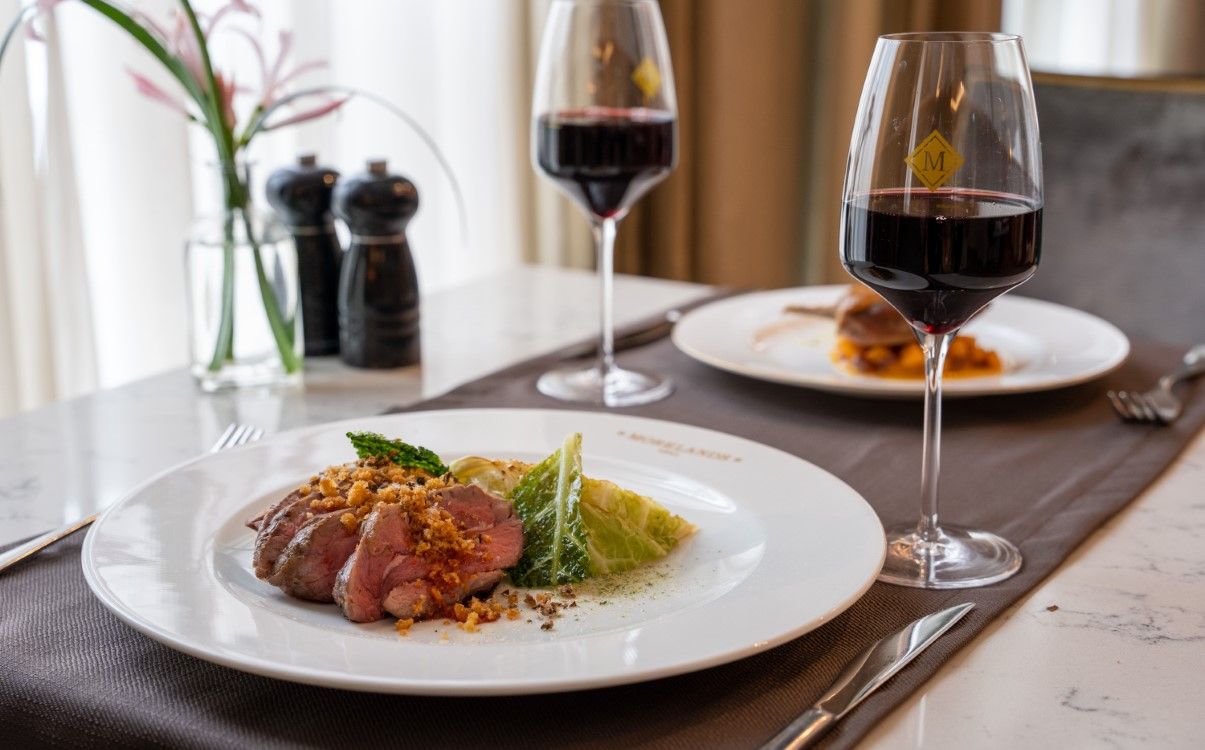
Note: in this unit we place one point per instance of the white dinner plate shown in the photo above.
(1042, 345)
(782, 547)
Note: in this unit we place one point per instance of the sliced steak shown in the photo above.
(277, 530)
(312, 559)
(499, 544)
(383, 536)
(471, 507)
(257, 522)
(384, 574)
(419, 599)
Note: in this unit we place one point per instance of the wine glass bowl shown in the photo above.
(604, 132)
(606, 159)
(942, 212)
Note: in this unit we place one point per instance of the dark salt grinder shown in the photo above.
(301, 196)
(378, 288)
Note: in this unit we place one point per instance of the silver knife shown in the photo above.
(658, 329)
(864, 675)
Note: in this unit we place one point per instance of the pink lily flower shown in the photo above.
(152, 91)
(44, 7)
(152, 26)
(226, 92)
(309, 114)
(301, 69)
(234, 6)
(183, 43)
(274, 79)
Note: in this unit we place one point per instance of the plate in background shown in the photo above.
(1043, 345)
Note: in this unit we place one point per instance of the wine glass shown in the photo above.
(942, 212)
(605, 131)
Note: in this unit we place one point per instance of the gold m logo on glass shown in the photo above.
(934, 161)
(647, 78)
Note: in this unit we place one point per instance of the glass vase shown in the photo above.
(243, 295)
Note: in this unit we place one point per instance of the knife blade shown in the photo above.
(864, 674)
(657, 329)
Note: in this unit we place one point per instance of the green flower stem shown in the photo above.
(281, 332)
(238, 201)
(253, 125)
(223, 350)
(222, 134)
(234, 192)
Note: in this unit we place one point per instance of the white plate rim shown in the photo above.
(447, 688)
(889, 388)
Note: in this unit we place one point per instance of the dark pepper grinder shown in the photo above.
(301, 196)
(378, 287)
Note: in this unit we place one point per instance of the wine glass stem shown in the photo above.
(935, 347)
(604, 241)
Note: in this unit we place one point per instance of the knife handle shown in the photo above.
(17, 554)
(805, 731)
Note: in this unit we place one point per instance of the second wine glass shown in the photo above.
(942, 213)
(604, 130)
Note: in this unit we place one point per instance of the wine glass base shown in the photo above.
(958, 559)
(623, 387)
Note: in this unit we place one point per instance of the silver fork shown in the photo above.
(1159, 405)
(234, 436)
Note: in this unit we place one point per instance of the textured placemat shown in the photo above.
(1045, 470)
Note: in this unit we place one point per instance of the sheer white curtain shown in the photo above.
(46, 344)
(92, 225)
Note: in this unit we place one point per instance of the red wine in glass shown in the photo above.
(939, 257)
(941, 214)
(604, 131)
(606, 158)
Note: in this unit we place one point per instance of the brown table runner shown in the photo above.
(1044, 470)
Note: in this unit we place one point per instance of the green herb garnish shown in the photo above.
(401, 453)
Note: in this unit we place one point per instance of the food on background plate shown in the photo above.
(398, 533)
(874, 339)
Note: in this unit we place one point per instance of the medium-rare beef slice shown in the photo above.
(385, 565)
(419, 599)
(383, 536)
(500, 544)
(277, 530)
(312, 559)
(470, 506)
(256, 522)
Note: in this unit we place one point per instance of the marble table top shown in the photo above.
(1108, 652)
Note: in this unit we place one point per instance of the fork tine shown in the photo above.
(237, 438)
(1131, 407)
(1125, 407)
(245, 436)
(224, 441)
(1149, 405)
(251, 435)
(1142, 407)
(1119, 406)
(235, 435)
(220, 443)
